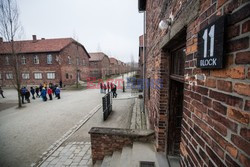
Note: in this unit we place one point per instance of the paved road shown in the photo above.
(26, 133)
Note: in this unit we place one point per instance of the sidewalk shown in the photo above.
(75, 149)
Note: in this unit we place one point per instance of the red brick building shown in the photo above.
(45, 60)
(113, 66)
(99, 64)
(201, 115)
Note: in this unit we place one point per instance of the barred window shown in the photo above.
(51, 75)
(38, 75)
(25, 75)
(49, 59)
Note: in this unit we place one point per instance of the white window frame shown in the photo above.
(49, 59)
(36, 60)
(25, 75)
(9, 75)
(77, 61)
(23, 60)
(51, 75)
(38, 75)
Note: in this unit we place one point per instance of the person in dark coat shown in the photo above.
(44, 94)
(114, 91)
(1, 92)
(101, 87)
(57, 92)
(22, 93)
(108, 86)
(32, 91)
(104, 88)
(41, 88)
(37, 91)
(50, 93)
(60, 83)
(27, 95)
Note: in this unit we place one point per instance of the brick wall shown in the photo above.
(104, 141)
(215, 126)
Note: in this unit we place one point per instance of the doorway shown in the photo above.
(176, 93)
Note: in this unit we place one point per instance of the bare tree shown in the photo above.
(10, 29)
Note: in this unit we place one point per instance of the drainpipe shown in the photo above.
(144, 59)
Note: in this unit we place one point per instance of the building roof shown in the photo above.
(97, 56)
(113, 60)
(38, 46)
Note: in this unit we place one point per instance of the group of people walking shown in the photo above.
(110, 87)
(41, 91)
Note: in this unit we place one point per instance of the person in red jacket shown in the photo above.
(50, 93)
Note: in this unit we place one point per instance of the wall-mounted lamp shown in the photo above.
(164, 24)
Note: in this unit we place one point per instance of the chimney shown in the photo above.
(42, 38)
(34, 37)
(1, 39)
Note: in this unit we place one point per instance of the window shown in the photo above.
(7, 60)
(23, 60)
(83, 62)
(36, 60)
(0, 76)
(69, 59)
(25, 75)
(77, 61)
(38, 75)
(67, 76)
(51, 75)
(9, 75)
(49, 59)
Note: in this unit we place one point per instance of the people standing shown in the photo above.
(27, 95)
(37, 91)
(50, 93)
(114, 91)
(32, 91)
(57, 92)
(44, 94)
(1, 92)
(108, 85)
(22, 93)
(105, 88)
(101, 87)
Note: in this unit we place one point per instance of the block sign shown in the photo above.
(211, 45)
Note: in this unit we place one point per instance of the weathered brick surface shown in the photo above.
(216, 108)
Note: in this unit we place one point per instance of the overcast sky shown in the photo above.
(112, 26)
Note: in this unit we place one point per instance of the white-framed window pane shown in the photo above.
(25, 75)
(9, 76)
(49, 59)
(51, 75)
(38, 75)
(36, 60)
(23, 60)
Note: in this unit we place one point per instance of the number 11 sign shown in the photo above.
(211, 45)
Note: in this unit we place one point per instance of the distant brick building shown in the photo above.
(113, 66)
(99, 65)
(45, 60)
(203, 115)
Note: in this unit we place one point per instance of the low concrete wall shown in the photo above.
(104, 141)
